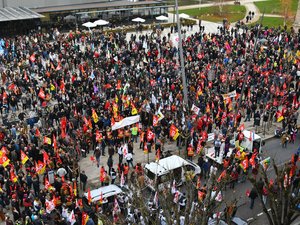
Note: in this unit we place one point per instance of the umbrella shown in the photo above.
(70, 18)
(184, 16)
(101, 22)
(162, 18)
(89, 24)
(138, 19)
(85, 17)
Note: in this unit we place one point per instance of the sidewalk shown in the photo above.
(93, 172)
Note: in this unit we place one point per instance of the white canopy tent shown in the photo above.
(89, 25)
(139, 20)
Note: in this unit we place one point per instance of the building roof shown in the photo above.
(17, 13)
(114, 4)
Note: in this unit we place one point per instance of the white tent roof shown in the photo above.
(106, 191)
(166, 164)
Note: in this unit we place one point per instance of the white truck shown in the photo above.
(251, 141)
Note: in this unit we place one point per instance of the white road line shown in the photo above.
(249, 219)
(259, 214)
(269, 210)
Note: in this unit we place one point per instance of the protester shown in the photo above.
(73, 87)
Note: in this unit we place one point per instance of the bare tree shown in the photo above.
(283, 194)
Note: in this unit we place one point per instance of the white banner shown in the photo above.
(229, 95)
(126, 122)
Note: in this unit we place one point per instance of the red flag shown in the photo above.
(173, 132)
(45, 157)
(32, 57)
(252, 160)
(242, 127)
(150, 135)
(112, 121)
(155, 120)
(85, 218)
(24, 157)
(13, 177)
(245, 164)
(54, 142)
(37, 132)
(40, 167)
(89, 197)
(119, 85)
(222, 175)
(42, 94)
(62, 86)
(47, 184)
(98, 136)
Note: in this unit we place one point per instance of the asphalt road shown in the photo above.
(273, 149)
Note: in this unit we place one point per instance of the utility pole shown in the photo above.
(182, 68)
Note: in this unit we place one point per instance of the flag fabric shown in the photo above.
(222, 175)
(40, 167)
(116, 209)
(54, 142)
(122, 181)
(4, 160)
(242, 127)
(174, 132)
(24, 157)
(85, 218)
(49, 205)
(155, 120)
(252, 160)
(75, 189)
(134, 111)
(101, 198)
(13, 177)
(71, 218)
(199, 147)
(37, 132)
(201, 195)
(150, 135)
(89, 196)
(245, 164)
(47, 140)
(265, 163)
(95, 116)
(99, 136)
(176, 197)
(41, 94)
(45, 157)
(47, 184)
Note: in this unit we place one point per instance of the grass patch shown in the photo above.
(277, 6)
(232, 13)
(274, 22)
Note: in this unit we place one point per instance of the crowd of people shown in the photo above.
(80, 84)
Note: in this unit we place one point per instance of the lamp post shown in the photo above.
(182, 69)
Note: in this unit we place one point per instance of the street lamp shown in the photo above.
(182, 69)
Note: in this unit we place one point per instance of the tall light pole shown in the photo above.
(182, 69)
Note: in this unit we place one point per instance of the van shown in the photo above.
(160, 174)
(107, 193)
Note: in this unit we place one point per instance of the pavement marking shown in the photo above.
(249, 219)
(259, 214)
(269, 210)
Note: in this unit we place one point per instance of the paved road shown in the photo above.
(280, 155)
